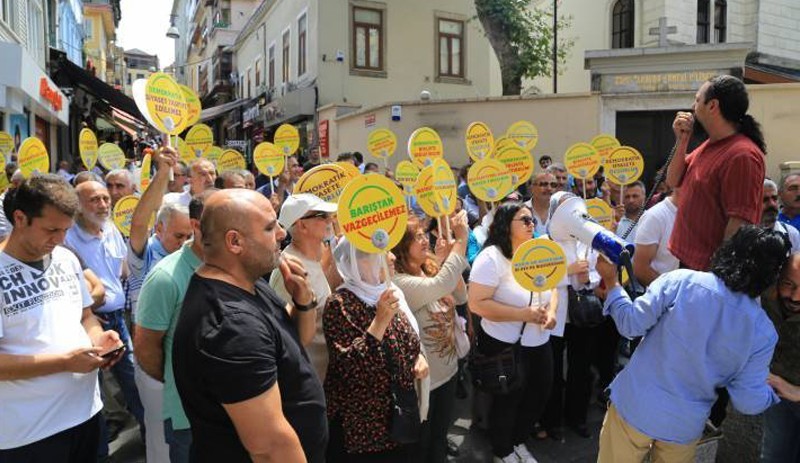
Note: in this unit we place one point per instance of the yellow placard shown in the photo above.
(601, 212)
(349, 168)
(32, 157)
(373, 214)
(123, 213)
(4, 183)
(144, 174)
(425, 194)
(165, 103)
(524, 134)
(325, 182)
(479, 140)
(230, 160)
(444, 185)
(111, 156)
(87, 147)
(199, 139)
(6, 143)
(624, 165)
(518, 161)
(539, 264)
(489, 180)
(406, 173)
(269, 160)
(605, 144)
(213, 154)
(193, 105)
(381, 143)
(184, 152)
(287, 139)
(424, 145)
(582, 160)
(501, 143)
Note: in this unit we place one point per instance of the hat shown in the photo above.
(298, 205)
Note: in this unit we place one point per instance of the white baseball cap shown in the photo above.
(298, 205)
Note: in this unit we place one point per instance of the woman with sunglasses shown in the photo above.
(510, 315)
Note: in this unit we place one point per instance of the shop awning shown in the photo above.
(219, 110)
(68, 74)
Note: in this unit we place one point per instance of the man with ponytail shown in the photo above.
(721, 180)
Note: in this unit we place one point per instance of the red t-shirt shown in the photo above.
(723, 179)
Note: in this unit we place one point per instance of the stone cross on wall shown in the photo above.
(662, 31)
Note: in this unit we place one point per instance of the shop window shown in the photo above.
(367, 44)
(622, 24)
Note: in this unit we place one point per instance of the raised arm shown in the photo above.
(165, 158)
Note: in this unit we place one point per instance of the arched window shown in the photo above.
(720, 20)
(622, 24)
(703, 20)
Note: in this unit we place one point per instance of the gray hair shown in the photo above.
(167, 211)
(182, 167)
(246, 174)
(556, 167)
(768, 183)
(128, 175)
(786, 178)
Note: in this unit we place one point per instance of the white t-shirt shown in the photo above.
(492, 269)
(655, 227)
(794, 235)
(40, 313)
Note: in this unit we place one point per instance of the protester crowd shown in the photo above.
(240, 324)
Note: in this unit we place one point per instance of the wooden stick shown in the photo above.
(621, 193)
(447, 228)
(583, 181)
(171, 170)
(387, 278)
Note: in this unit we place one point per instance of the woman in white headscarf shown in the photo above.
(373, 340)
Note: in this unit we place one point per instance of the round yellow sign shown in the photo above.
(424, 145)
(268, 159)
(425, 194)
(32, 157)
(287, 139)
(6, 143)
(199, 139)
(489, 180)
(518, 161)
(406, 173)
(349, 168)
(192, 104)
(479, 140)
(444, 186)
(144, 174)
(166, 104)
(501, 143)
(230, 160)
(604, 144)
(184, 152)
(3, 179)
(213, 154)
(524, 134)
(601, 212)
(624, 165)
(325, 182)
(87, 147)
(381, 143)
(123, 213)
(582, 160)
(539, 264)
(372, 212)
(111, 156)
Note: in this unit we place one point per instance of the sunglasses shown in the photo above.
(317, 215)
(547, 184)
(526, 220)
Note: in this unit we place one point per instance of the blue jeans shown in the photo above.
(123, 370)
(781, 442)
(179, 441)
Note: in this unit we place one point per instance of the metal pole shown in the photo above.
(555, 46)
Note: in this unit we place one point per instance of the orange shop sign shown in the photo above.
(50, 94)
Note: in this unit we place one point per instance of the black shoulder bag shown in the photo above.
(584, 308)
(405, 424)
(500, 373)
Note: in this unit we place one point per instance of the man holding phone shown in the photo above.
(51, 344)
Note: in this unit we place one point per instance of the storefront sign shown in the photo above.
(657, 82)
(50, 94)
(324, 143)
(369, 121)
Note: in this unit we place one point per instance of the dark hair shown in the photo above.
(545, 157)
(345, 157)
(219, 182)
(198, 202)
(370, 165)
(35, 193)
(640, 184)
(500, 229)
(11, 167)
(751, 260)
(733, 104)
(358, 157)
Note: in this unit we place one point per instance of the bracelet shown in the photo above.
(306, 307)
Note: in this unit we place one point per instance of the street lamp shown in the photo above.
(173, 32)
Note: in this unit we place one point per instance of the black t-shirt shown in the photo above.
(231, 346)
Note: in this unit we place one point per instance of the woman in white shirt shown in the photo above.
(504, 307)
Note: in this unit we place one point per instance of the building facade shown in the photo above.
(69, 31)
(104, 59)
(138, 65)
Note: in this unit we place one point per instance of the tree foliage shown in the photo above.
(522, 39)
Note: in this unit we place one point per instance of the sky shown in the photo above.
(144, 25)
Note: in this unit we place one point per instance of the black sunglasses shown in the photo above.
(546, 184)
(526, 220)
(316, 215)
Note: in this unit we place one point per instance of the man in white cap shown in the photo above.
(309, 221)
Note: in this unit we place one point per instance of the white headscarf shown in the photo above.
(362, 275)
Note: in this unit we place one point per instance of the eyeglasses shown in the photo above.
(526, 220)
(547, 184)
(317, 215)
(421, 237)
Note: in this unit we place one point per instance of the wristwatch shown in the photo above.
(309, 306)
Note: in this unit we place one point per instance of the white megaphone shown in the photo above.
(571, 221)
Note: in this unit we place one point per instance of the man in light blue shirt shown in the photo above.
(702, 331)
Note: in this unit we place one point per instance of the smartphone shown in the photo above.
(113, 352)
